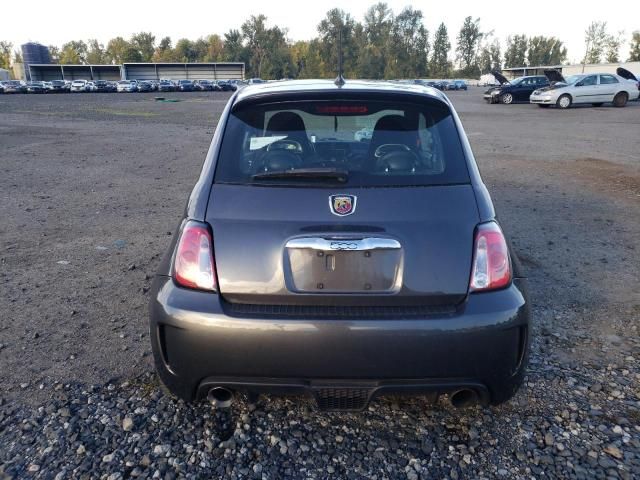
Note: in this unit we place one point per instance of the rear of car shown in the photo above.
(14, 86)
(78, 86)
(57, 86)
(185, 86)
(127, 86)
(166, 86)
(144, 87)
(313, 259)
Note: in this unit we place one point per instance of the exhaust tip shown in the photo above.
(464, 398)
(220, 397)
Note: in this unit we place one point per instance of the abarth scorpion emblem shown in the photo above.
(342, 205)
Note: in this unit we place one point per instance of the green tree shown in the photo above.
(634, 51)
(612, 47)
(215, 49)
(5, 54)
(144, 42)
(116, 49)
(469, 40)
(329, 29)
(490, 57)
(96, 54)
(74, 52)
(516, 51)
(186, 50)
(255, 34)
(545, 51)
(54, 54)
(373, 44)
(440, 64)
(595, 38)
(306, 60)
(408, 46)
(164, 51)
(234, 49)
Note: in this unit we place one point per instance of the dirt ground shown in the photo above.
(92, 187)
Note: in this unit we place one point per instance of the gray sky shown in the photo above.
(55, 23)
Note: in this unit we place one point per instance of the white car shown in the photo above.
(127, 86)
(591, 88)
(79, 86)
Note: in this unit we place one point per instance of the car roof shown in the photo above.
(324, 86)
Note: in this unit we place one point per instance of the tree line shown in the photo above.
(383, 45)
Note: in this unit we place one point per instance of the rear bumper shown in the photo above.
(482, 346)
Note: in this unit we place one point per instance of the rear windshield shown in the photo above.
(374, 143)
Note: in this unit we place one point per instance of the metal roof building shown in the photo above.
(574, 69)
(50, 72)
(179, 71)
(139, 71)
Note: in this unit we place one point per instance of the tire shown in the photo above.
(620, 100)
(506, 98)
(599, 104)
(543, 106)
(564, 101)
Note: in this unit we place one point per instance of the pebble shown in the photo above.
(127, 424)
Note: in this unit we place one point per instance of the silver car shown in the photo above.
(593, 88)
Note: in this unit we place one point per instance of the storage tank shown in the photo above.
(32, 54)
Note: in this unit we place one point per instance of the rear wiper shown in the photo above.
(314, 173)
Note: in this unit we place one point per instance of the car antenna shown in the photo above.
(339, 81)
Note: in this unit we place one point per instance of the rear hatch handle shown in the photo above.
(349, 244)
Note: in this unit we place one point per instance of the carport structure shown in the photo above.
(48, 72)
(183, 71)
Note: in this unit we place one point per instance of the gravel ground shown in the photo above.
(91, 187)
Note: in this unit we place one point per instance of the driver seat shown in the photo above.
(291, 125)
(391, 129)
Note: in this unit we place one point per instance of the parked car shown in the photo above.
(516, 90)
(1, 87)
(459, 85)
(145, 87)
(166, 86)
(441, 85)
(203, 85)
(36, 87)
(592, 88)
(56, 86)
(227, 86)
(127, 86)
(185, 86)
(255, 81)
(79, 86)
(101, 86)
(14, 86)
(357, 269)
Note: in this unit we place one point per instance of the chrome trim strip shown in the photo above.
(343, 244)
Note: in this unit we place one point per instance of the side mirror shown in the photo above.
(579, 84)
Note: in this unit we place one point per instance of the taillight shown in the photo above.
(491, 265)
(194, 266)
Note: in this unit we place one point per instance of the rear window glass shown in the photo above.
(376, 143)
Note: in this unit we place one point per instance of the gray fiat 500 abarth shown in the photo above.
(340, 243)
